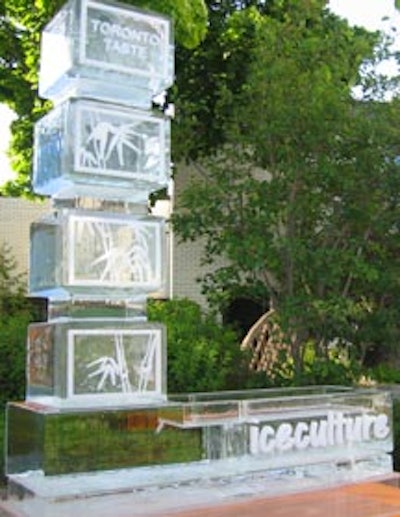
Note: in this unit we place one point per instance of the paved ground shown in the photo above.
(363, 500)
(379, 498)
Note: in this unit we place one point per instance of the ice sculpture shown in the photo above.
(99, 153)
(97, 374)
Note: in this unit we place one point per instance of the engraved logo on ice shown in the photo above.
(117, 30)
(334, 430)
(125, 40)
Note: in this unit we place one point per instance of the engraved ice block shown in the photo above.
(108, 51)
(96, 362)
(88, 148)
(292, 427)
(81, 255)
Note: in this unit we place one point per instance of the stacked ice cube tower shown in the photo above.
(99, 153)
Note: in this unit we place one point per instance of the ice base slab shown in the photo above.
(348, 429)
(87, 148)
(78, 254)
(184, 486)
(107, 51)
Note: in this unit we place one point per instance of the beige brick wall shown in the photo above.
(187, 256)
(16, 216)
(186, 269)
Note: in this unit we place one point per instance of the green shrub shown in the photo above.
(12, 356)
(12, 284)
(385, 374)
(202, 354)
(335, 367)
(16, 313)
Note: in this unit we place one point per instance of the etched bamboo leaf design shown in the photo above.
(112, 145)
(123, 365)
(152, 153)
(88, 158)
(125, 136)
(146, 368)
(112, 370)
(107, 369)
(116, 253)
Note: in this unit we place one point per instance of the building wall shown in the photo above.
(16, 216)
(187, 268)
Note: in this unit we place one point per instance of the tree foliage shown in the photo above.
(301, 197)
(219, 66)
(219, 63)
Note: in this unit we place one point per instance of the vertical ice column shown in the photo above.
(100, 153)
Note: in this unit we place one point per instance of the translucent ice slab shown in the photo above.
(107, 51)
(288, 427)
(348, 446)
(79, 255)
(255, 406)
(81, 363)
(88, 148)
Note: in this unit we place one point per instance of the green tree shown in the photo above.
(21, 23)
(203, 73)
(302, 196)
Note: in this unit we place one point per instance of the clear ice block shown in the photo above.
(88, 148)
(284, 427)
(79, 255)
(96, 362)
(107, 51)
